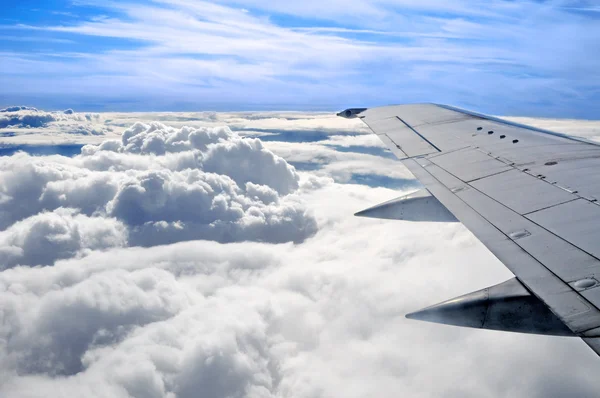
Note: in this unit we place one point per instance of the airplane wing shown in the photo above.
(530, 195)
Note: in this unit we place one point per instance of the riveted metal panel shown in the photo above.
(579, 175)
(550, 255)
(492, 222)
(403, 137)
(561, 297)
(535, 155)
(577, 222)
(414, 114)
(396, 150)
(470, 164)
(521, 192)
(562, 258)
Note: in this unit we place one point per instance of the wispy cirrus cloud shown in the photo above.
(498, 56)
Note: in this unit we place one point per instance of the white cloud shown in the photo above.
(26, 119)
(166, 185)
(370, 140)
(217, 150)
(45, 237)
(170, 54)
(17, 108)
(98, 127)
(589, 129)
(29, 125)
(342, 166)
(318, 318)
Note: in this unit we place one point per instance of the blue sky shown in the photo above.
(538, 58)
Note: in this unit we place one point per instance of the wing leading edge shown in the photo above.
(531, 196)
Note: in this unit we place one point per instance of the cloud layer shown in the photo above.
(320, 319)
(157, 185)
(18, 122)
(185, 261)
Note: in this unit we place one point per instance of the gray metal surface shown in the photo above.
(470, 164)
(528, 194)
(521, 192)
(508, 306)
(403, 137)
(416, 206)
(579, 175)
(577, 222)
(500, 228)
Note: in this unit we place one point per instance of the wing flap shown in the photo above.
(522, 192)
(493, 224)
(576, 222)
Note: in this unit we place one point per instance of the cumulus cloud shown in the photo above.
(45, 237)
(181, 266)
(249, 319)
(244, 122)
(162, 184)
(24, 120)
(17, 108)
(216, 150)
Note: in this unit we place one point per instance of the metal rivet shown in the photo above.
(515, 141)
(502, 136)
(490, 132)
(551, 163)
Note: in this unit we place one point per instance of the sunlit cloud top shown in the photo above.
(502, 57)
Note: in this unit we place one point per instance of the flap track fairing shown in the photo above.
(417, 206)
(508, 306)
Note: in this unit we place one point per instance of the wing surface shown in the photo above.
(531, 196)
